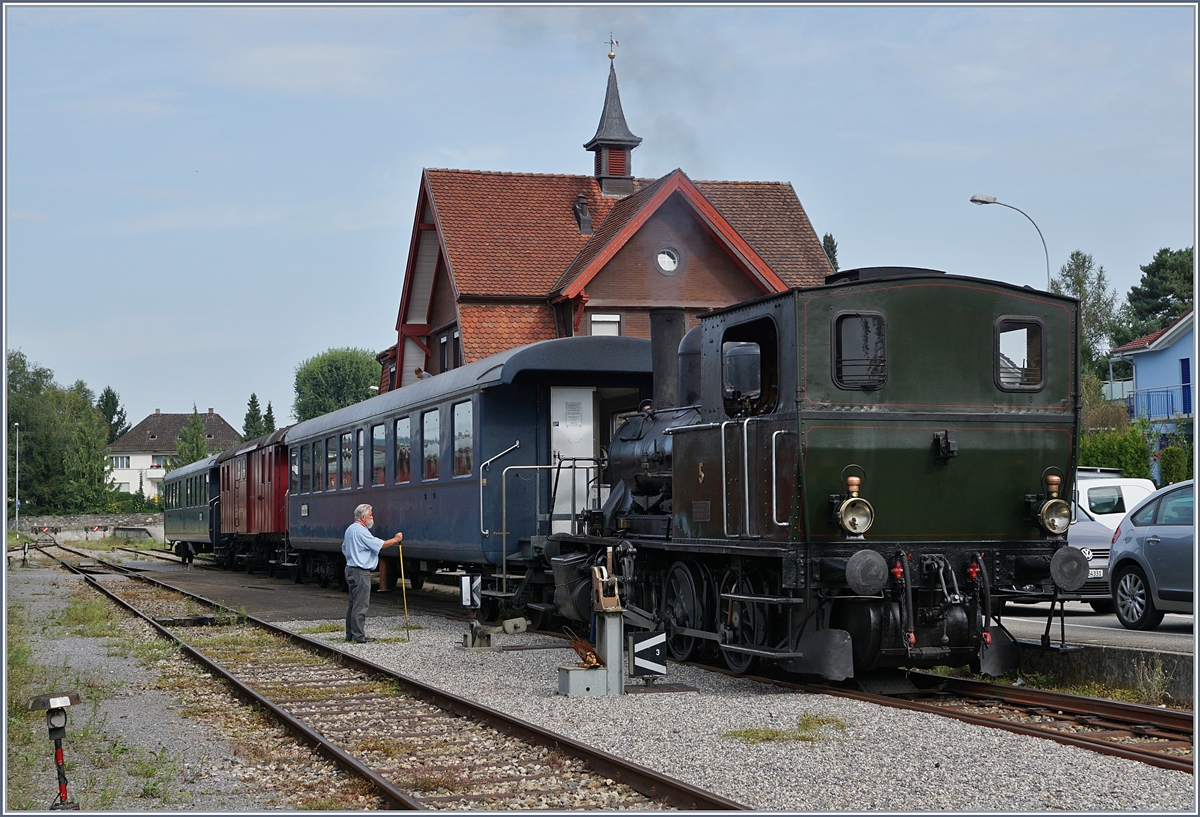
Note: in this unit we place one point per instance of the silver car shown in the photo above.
(1152, 556)
(1094, 539)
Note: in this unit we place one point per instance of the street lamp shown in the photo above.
(981, 199)
(17, 485)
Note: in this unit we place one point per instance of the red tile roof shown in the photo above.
(511, 233)
(488, 329)
(514, 234)
(1147, 340)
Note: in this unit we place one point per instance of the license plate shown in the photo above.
(1096, 573)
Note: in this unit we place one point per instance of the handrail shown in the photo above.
(725, 483)
(504, 505)
(483, 481)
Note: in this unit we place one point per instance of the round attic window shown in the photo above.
(667, 261)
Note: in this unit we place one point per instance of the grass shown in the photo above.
(1153, 693)
(89, 615)
(810, 727)
(327, 627)
(97, 764)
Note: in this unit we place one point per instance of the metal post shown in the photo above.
(17, 484)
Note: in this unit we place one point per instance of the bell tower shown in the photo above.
(613, 142)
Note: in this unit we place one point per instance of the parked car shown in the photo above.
(1108, 498)
(1152, 558)
(1095, 540)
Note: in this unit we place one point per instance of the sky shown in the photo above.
(198, 199)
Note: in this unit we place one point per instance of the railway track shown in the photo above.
(1152, 735)
(420, 747)
(1156, 736)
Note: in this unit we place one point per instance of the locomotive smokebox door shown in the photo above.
(648, 654)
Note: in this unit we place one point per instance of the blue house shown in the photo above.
(1163, 363)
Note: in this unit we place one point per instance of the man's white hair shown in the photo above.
(361, 511)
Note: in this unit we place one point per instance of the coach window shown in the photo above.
(403, 443)
(750, 368)
(331, 463)
(347, 460)
(318, 466)
(431, 444)
(1019, 352)
(305, 468)
(463, 441)
(378, 455)
(294, 470)
(860, 351)
(362, 458)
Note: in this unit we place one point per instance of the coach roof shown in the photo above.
(598, 355)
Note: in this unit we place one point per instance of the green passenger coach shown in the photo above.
(846, 477)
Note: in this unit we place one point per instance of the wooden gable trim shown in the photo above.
(754, 267)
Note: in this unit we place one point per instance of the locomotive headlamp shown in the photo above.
(855, 514)
(1055, 516)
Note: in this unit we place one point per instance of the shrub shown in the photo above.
(1126, 449)
(1175, 464)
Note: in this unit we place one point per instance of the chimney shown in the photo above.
(210, 412)
(157, 412)
(582, 217)
(666, 330)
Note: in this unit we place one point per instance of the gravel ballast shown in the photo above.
(882, 760)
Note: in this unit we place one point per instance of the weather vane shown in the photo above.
(612, 44)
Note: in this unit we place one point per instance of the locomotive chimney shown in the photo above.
(666, 330)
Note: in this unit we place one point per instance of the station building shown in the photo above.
(501, 259)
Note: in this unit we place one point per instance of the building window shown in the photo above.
(463, 444)
(119, 461)
(159, 460)
(456, 349)
(1019, 353)
(606, 324)
(431, 443)
(668, 261)
(403, 444)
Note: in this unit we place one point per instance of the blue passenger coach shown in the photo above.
(190, 516)
(431, 458)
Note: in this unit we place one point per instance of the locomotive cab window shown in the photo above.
(860, 351)
(1019, 351)
(750, 368)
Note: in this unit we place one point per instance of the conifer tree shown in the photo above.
(253, 425)
(109, 404)
(830, 246)
(87, 465)
(269, 419)
(192, 444)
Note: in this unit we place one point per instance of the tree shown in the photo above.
(1163, 294)
(1082, 278)
(269, 419)
(334, 379)
(110, 406)
(192, 444)
(253, 425)
(87, 467)
(830, 247)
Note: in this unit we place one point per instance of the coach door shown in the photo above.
(240, 502)
(572, 435)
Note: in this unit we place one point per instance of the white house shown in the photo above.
(140, 455)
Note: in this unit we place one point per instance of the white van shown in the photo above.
(1109, 498)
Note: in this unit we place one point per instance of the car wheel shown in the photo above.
(1104, 607)
(1135, 608)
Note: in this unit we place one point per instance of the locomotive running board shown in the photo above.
(828, 653)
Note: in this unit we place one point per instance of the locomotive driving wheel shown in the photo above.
(682, 609)
(742, 623)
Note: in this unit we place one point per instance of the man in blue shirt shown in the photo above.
(361, 550)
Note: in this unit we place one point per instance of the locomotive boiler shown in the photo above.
(845, 478)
